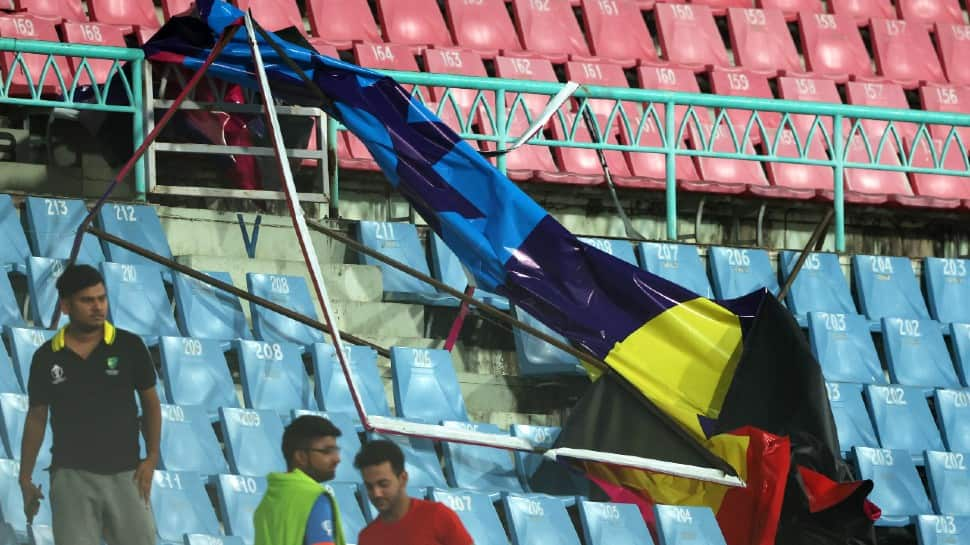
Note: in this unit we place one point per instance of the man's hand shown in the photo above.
(32, 496)
(144, 475)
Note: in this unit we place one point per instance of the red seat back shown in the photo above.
(796, 176)
(720, 7)
(726, 171)
(743, 83)
(69, 10)
(342, 22)
(946, 98)
(882, 95)
(791, 8)
(413, 22)
(389, 57)
(904, 53)
(654, 165)
(274, 15)
(584, 160)
(689, 37)
(457, 61)
(833, 47)
(549, 29)
(809, 90)
(861, 11)
(928, 12)
(22, 26)
(139, 13)
(875, 182)
(171, 8)
(603, 74)
(761, 41)
(524, 68)
(617, 32)
(93, 34)
(484, 26)
(953, 45)
(666, 78)
(938, 185)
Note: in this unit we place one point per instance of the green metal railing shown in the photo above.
(58, 82)
(718, 126)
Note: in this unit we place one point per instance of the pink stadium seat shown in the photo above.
(483, 26)
(92, 34)
(689, 37)
(809, 90)
(930, 11)
(417, 23)
(22, 26)
(171, 8)
(389, 57)
(863, 10)
(549, 30)
(130, 13)
(864, 186)
(791, 8)
(732, 176)
(607, 75)
(665, 78)
(530, 161)
(650, 169)
(617, 32)
(341, 23)
(946, 98)
(904, 53)
(833, 47)
(953, 45)
(882, 95)
(743, 83)
(360, 157)
(68, 10)
(803, 180)
(274, 15)
(457, 61)
(762, 43)
(721, 7)
(525, 68)
(582, 165)
(945, 189)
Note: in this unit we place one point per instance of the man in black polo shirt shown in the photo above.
(86, 376)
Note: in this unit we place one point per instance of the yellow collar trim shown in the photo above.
(57, 343)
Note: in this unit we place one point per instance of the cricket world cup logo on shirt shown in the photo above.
(112, 366)
(57, 374)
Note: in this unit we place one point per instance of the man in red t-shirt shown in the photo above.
(402, 520)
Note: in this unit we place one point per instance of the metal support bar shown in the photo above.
(814, 244)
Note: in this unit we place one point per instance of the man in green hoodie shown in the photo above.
(296, 509)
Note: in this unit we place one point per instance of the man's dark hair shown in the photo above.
(76, 278)
(304, 430)
(375, 453)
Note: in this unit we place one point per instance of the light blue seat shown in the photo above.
(897, 488)
(550, 478)
(330, 383)
(181, 506)
(287, 291)
(851, 418)
(24, 341)
(446, 267)
(189, 443)
(477, 514)
(52, 225)
(740, 271)
(953, 415)
(8, 377)
(886, 287)
(618, 248)
(420, 460)
(942, 530)
(400, 242)
(426, 385)
(204, 312)
(138, 301)
(613, 524)
(948, 476)
(42, 275)
(238, 499)
(252, 439)
(947, 288)
(12, 499)
(348, 442)
(842, 344)
(960, 340)
(39, 535)
(820, 286)
(677, 525)
(13, 409)
(348, 498)
(206, 539)
(137, 224)
(917, 354)
(196, 373)
(474, 467)
(679, 263)
(537, 357)
(9, 309)
(903, 420)
(273, 377)
(14, 250)
(537, 519)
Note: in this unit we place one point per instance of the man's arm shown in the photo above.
(34, 429)
(151, 429)
(320, 527)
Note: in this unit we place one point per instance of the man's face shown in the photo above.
(320, 459)
(384, 488)
(87, 308)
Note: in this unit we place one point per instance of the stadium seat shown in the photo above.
(24, 342)
(678, 525)
(426, 385)
(618, 248)
(886, 287)
(12, 499)
(820, 285)
(206, 539)
(902, 419)
(904, 53)
(484, 27)
(418, 23)
(761, 41)
(67, 10)
(797, 180)
(942, 530)
(916, 354)
(526, 68)
(791, 8)
(477, 514)
(341, 23)
(946, 98)
(137, 224)
(330, 384)
(400, 242)
(537, 357)
(833, 47)
(897, 488)
(388, 57)
(535, 519)
(746, 83)
(948, 477)
(446, 267)
(8, 377)
(740, 271)
(861, 11)
(606, 75)
(23, 26)
(205, 312)
(869, 186)
(617, 33)
(852, 422)
(151, 317)
(181, 506)
(953, 415)
(649, 170)
(953, 46)
(238, 498)
(348, 443)
(941, 189)
(549, 30)
(462, 62)
(688, 36)
(9, 308)
(582, 166)
(929, 12)
(14, 250)
(273, 377)
(274, 15)
(810, 90)
(550, 478)
(727, 176)
(252, 439)
(678, 263)
(960, 340)
(606, 523)
(196, 373)
(291, 292)
(420, 460)
(94, 71)
(842, 344)
(529, 160)
(479, 468)
(882, 95)
(13, 409)
(172, 8)
(137, 13)
(188, 442)
(51, 225)
(664, 77)
(42, 275)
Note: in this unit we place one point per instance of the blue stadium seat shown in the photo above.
(420, 460)
(948, 476)
(551, 478)
(679, 263)
(400, 241)
(42, 275)
(9, 309)
(330, 383)
(252, 439)
(52, 225)
(613, 524)
(348, 442)
(942, 530)
(426, 385)
(947, 286)
(897, 488)
(206, 539)
(348, 498)
(537, 357)
(842, 344)
(14, 250)
(137, 224)
(620, 249)
(238, 499)
(917, 354)
(12, 499)
(273, 377)
(851, 418)
(196, 373)
(447, 268)
(677, 525)
(886, 287)
(13, 409)
(189, 443)
(39, 535)
(24, 341)
(536, 519)
(138, 301)
(288, 291)
(953, 414)
(181, 506)
(477, 514)
(205, 312)
(8, 377)
(902, 420)
(820, 286)
(960, 340)
(740, 271)
(479, 468)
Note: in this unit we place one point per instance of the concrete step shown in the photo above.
(467, 358)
